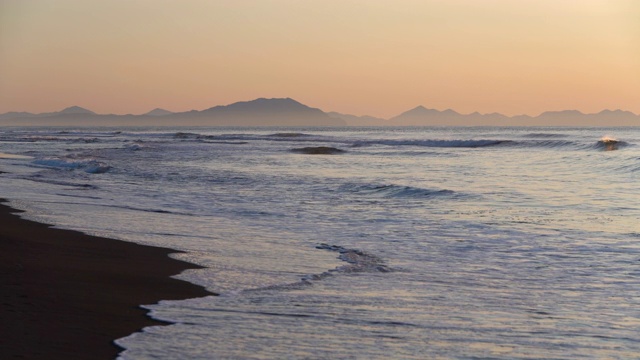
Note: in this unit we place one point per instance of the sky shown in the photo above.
(361, 57)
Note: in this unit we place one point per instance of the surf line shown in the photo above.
(357, 262)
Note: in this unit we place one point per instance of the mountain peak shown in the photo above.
(617, 113)
(420, 111)
(158, 112)
(266, 112)
(562, 113)
(264, 105)
(275, 101)
(76, 110)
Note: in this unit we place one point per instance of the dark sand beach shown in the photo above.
(67, 295)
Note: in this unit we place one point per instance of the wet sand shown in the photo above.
(67, 295)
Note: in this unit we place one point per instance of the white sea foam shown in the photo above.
(15, 156)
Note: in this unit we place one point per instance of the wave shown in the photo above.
(318, 150)
(544, 135)
(435, 143)
(89, 133)
(547, 144)
(357, 262)
(411, 153)
(150, 210)
(396, 191)
(219, 139)
(289, 135)
(88, 166)
(185, 135)
(78, 186)
(633, 167)
(540, 140)
(134, 147)
(49, 138)
(610, 144)
(603, 144)
(244, 138)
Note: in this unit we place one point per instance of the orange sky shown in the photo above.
(360, 57)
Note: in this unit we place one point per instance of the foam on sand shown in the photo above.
(14, 156)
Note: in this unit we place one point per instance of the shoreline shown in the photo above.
(68, 295)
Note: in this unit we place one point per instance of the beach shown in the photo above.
(408, 243)
(67, 295)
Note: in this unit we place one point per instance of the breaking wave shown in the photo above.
(609, 144)
(606, 143)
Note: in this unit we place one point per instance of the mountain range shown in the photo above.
(288, 112)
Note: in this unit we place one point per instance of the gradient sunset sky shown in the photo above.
(359, 57)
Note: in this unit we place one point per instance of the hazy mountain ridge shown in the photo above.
(259, 112)
(421, 116)
(71, 110)
(289, 112)
(353, 120)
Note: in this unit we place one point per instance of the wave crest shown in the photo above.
(289, 135)
(397, 191)
(543, 135)
(609, 144)
(358, 261)
(318, 150)
(88, 166)
(435, 143)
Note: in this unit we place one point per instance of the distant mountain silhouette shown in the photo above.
(353, 120)
(74, 110)
(16, 115)
(421, 116)
(288, 112)
(158, 112)
(577, 118)
(261, 112)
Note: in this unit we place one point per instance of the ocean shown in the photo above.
(360, 243)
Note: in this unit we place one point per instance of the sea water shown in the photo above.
(361, 243)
